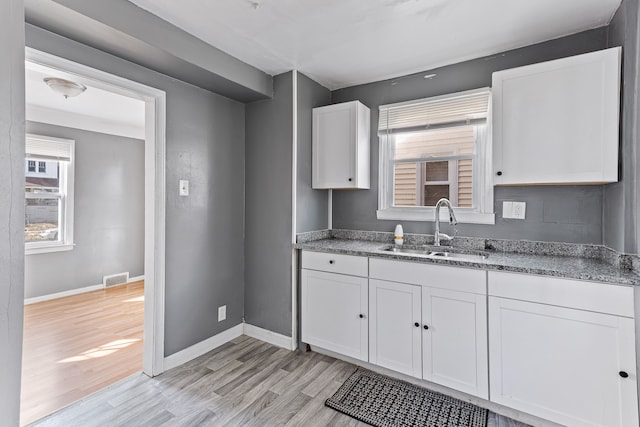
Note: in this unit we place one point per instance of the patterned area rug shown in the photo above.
(386, 402)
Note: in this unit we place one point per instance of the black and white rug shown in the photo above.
(386, 402)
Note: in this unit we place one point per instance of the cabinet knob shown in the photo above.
(417, 325)
(426, 327)
(499, 173)
(361, 316)
(350, 179)
(330, 261)
(623, 374)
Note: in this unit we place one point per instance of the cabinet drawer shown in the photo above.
(591, 296)
(335, 263)
(436, 276)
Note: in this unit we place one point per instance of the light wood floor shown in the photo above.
(76, 345)
(243, 383)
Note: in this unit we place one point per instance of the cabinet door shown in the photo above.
(394, 326)
(334, 146)
(557, 121)
(341, 146)
(563, 364)
(455, 343)
(334, 313)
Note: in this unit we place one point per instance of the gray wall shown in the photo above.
(311, 205)
(268, 209)
(620, 213)
(108, 214)
(205, 144)
(11, 207)
(123, 29)
(568, 214)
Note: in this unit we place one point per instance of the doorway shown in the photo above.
(154, 196)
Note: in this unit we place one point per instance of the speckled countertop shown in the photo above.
(593, 264)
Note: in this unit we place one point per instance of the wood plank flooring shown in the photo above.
(76, 345)
(245, 382)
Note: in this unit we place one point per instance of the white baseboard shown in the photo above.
(68, 293)
(196, 350)
(270, 337)
(77, 291)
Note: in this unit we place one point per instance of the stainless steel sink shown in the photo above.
(446, 253)
(456, 255)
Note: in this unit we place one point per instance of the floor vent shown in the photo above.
(115, 279)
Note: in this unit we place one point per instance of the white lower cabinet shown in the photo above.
(435, 334)
(335, 312)
(395, 326)
(571, 366)
(560, 349)
(454, 348)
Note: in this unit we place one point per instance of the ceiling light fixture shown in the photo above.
(67, 88)
(430, 76)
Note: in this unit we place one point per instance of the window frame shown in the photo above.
(65, 195)
(482, 211)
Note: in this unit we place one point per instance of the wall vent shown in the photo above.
(115, 279)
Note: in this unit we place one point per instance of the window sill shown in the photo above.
(464, 216)
(42, 249)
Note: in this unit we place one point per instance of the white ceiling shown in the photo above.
(96, 109)
(341, 43)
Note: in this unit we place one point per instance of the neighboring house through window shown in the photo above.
(433, 148)
(49, 194)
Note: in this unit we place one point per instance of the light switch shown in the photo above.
(222, 313)
(184, 187)
(507, 209)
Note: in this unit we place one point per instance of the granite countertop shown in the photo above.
(573, 267)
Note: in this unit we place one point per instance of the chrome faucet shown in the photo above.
(452, 221)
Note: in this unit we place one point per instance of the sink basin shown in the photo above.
(446, 253)
(457, 255)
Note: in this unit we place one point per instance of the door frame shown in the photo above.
(154, 193)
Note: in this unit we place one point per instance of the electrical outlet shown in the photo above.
(519, 209)
(184, 187)
(222, 313)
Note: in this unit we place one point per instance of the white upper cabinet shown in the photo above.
(341, 146)
(557, 122)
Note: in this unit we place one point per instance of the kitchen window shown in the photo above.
(432, 148)
(49, 194)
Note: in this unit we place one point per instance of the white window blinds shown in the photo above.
(48, 148)
(457, 109)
